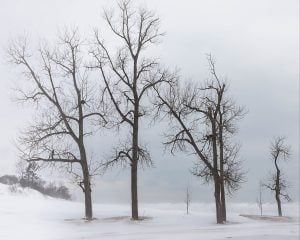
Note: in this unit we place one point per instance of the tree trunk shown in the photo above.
(216, 175)
(222, 184)
(187, 209)
(87, 192)
(86, 183)
(277, 188)
(88, 200)
(134, 195)
(134, 165)
(218, 201)
(222, 191)
(277, 193)
(223, 202)
(278, 205)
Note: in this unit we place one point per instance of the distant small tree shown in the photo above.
(277, 182)
(29, 176)
(30, 173)
(259, 201)
(188, 199)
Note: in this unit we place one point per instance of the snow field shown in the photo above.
(28, 214)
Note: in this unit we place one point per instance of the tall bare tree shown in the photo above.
(201, 118)
(277, 182)
(222, 115)
(229, 114)
(67, 106)
(129, 75)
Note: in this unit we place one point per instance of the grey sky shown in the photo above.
(256, 44)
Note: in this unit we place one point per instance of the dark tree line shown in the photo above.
(29, 178)
(50, 189)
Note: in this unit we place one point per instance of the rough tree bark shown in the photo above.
(221, 153)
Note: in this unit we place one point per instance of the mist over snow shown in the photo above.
(256, 44)
(26, 214)
(143, 120)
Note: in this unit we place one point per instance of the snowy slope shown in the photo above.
(29, 215)
(16, 190)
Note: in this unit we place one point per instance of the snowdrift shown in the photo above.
(27, 214)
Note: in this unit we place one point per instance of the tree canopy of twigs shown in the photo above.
(202, 120)
(129, 76)
(277, 182)
(68, 106)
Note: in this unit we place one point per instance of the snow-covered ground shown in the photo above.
(27, 214)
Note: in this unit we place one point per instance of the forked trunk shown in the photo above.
(216, 175)
(222, 184)
(218, 201)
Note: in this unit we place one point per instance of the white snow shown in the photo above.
(28, 214)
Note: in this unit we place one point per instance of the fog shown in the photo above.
(256, 44)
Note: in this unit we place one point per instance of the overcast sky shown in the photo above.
(256, 44)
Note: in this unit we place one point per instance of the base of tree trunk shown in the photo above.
(134, 194)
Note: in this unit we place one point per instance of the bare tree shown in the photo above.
(277, 181)
(259, 201)
(222, 116)
(129, 75)
(67, 106)
(188, 199)
(30, 173)
(202, 118)
(229, 114)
